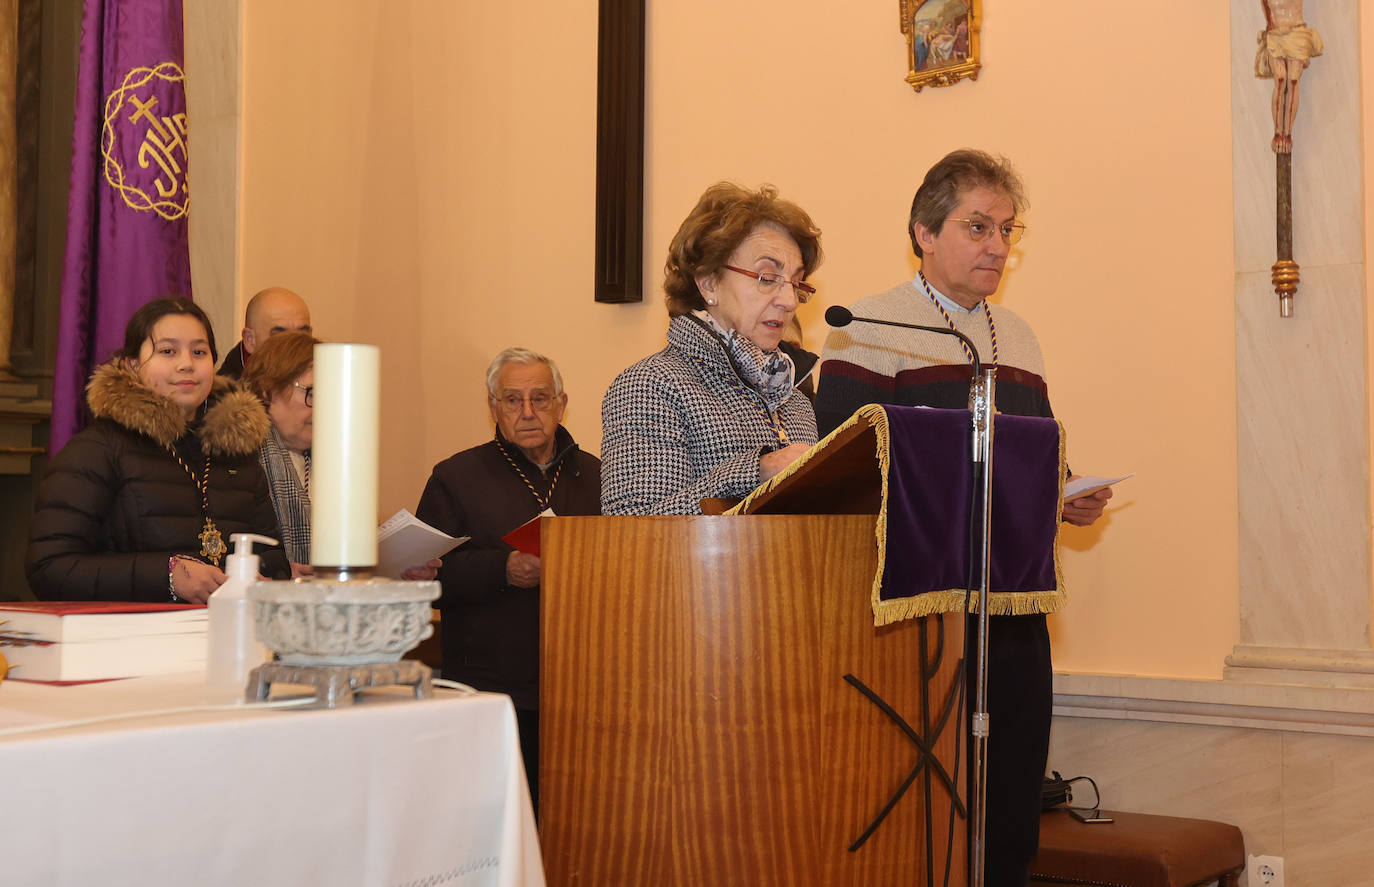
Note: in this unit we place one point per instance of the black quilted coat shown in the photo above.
(114, 504)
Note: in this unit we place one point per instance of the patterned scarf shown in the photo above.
(289, 499)
(771, 373)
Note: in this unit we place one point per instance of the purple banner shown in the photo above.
(929, 508)
(128, 203)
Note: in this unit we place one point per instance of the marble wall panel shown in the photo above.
(1305, 797)
(1302, 462)
(1224, 773)
(1328, 788)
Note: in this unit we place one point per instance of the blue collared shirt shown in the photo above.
(945, 301)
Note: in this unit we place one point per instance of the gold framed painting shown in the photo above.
(941, 41)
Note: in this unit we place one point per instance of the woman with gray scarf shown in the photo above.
(716, 412)
(281, 372)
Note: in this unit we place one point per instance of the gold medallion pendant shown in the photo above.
(211, 542)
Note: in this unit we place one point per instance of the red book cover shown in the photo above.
(526, 536)
(67, 621)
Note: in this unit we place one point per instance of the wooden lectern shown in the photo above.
(717, 707)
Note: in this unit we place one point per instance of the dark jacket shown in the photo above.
(114, 504)
(805, 362)
(233, 363)
(490, 635)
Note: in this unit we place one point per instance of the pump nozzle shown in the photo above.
(243, 542)
(242, 563)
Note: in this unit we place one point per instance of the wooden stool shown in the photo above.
(1137, 850)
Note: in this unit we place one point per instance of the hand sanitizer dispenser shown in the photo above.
(234, 649)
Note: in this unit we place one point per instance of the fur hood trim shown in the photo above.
(235, 424)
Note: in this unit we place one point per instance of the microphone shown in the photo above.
(838, 315)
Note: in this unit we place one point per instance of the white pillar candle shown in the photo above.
(343, 465)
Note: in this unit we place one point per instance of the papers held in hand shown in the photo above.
(1086, 485)
(405, 541)
(526, 536)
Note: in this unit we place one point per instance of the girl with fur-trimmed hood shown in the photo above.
(139, 506)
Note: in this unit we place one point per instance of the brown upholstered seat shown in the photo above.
(1137, 850)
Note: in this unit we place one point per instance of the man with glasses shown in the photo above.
(963, 225)
(490, 602)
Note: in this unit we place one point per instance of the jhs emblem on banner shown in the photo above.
(143, 141)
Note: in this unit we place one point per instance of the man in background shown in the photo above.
(963, 224)
(273, 310)
(490, 602)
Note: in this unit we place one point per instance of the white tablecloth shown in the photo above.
(389, 791)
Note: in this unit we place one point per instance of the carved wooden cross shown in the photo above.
(1285, 47)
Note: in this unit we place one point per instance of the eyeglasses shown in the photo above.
(770, 283)
(309, 393)
(539, 401)
(1011, 232)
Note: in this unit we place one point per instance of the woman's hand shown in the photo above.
(771, 463)
(423, 573)
(194, 581)
(301, 571)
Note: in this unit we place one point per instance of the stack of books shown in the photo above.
(70, 641)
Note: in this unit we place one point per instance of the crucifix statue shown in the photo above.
(1286, 46)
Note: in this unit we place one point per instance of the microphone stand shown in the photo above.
(982, 406)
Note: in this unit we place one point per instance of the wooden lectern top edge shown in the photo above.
(840, 475)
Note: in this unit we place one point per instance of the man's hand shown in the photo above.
(427, 571)
(522, 570)
(301, 571)
(1082, 512)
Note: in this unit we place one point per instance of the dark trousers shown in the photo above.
(1020, 698)
(527, 724)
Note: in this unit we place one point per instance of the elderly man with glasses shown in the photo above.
(963, 225)
(490, 602)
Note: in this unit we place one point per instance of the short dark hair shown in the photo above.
(724, 216)
(140, 326)
(278, 362)
(957, 172)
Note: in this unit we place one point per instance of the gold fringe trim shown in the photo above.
(957, 600)
(1059, 518)
(950, 600)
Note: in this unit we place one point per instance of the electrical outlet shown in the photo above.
(1265, 871)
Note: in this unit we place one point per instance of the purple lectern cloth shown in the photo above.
(930, 481)
(128, 202)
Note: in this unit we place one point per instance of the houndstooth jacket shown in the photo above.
(682, 425)
(290, 500)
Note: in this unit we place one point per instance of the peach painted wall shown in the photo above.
(423, 173)
(1367, 111)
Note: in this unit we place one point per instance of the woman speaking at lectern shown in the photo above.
(716, 412)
